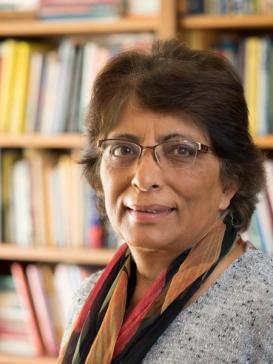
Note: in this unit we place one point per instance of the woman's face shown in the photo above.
(158, 208)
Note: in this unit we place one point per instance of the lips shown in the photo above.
(151, 209)
(149, 213)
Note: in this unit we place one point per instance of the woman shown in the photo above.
(177, 175)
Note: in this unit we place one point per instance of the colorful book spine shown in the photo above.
(8, 65)
(252, 54)
(20, 89)
(42, 309)
(22, 288)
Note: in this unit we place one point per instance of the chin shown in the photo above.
(148, 243)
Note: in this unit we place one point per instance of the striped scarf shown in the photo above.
(103, 333)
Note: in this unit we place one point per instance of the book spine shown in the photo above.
(9, 56)
(41, 306)
(22, 288)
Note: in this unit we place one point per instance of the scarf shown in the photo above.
(102, 334)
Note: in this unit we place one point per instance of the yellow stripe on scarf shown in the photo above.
(104, 343)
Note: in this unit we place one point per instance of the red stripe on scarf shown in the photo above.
(136, 316)
(93, 294)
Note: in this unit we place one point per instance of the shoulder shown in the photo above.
(249, 277)
(254, 268)
(82, 293)
(79, 299)
(231, 322)
(244, 294)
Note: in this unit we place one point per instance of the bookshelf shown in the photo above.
(68, 141)
(61, 141)
(36, 28)
(225, 22)
(11, 252)
(206, 29)
(235, 35)
(162, 26)
(264, 142)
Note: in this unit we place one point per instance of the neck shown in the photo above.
(150, 263)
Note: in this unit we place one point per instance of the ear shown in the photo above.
(229, 190)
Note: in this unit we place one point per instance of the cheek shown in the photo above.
(203, 193)
(107, 187)
(114, 183)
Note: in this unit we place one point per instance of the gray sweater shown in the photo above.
(231, 323)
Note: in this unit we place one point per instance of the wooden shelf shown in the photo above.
(225, 21)
(42, 141)
(69, 141)
(38, 28)
(4, 359)
(264, 142)
(56, 254)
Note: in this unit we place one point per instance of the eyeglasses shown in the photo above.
(120, 153)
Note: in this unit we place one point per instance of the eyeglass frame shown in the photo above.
(201, 148)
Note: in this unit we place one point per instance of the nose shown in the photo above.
(147, 173)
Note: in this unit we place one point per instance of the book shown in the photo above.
(269, 105)
(67, 280)
(16, 345)
(53, 303)
(72, 2)
(50, 87)
(9, 157)
(265, 6)
(74, 95)
(55, 193)
(252, 54)
(10, 308)
(11, 326)
(195, 6)
(65, 181)
(35, 167)
(66, 54)
(21, 209)
(143, 7)
(23, 291)
(94, 11)
(8, 63)
(40, 96)
(18, 5)
(77, 199)
(265, 222)
(89, 66)
(34, 90)
(262, 88)
(14, 335)
(20, 88)
(49, 162)
(42, 309)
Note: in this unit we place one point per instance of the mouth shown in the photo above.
(150, 212)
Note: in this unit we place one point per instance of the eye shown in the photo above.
(180, 150)
(119, 149)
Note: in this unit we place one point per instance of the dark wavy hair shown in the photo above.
(169, 79)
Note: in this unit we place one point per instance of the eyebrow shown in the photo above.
(160, 139)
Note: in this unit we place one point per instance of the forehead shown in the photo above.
(146, 124)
